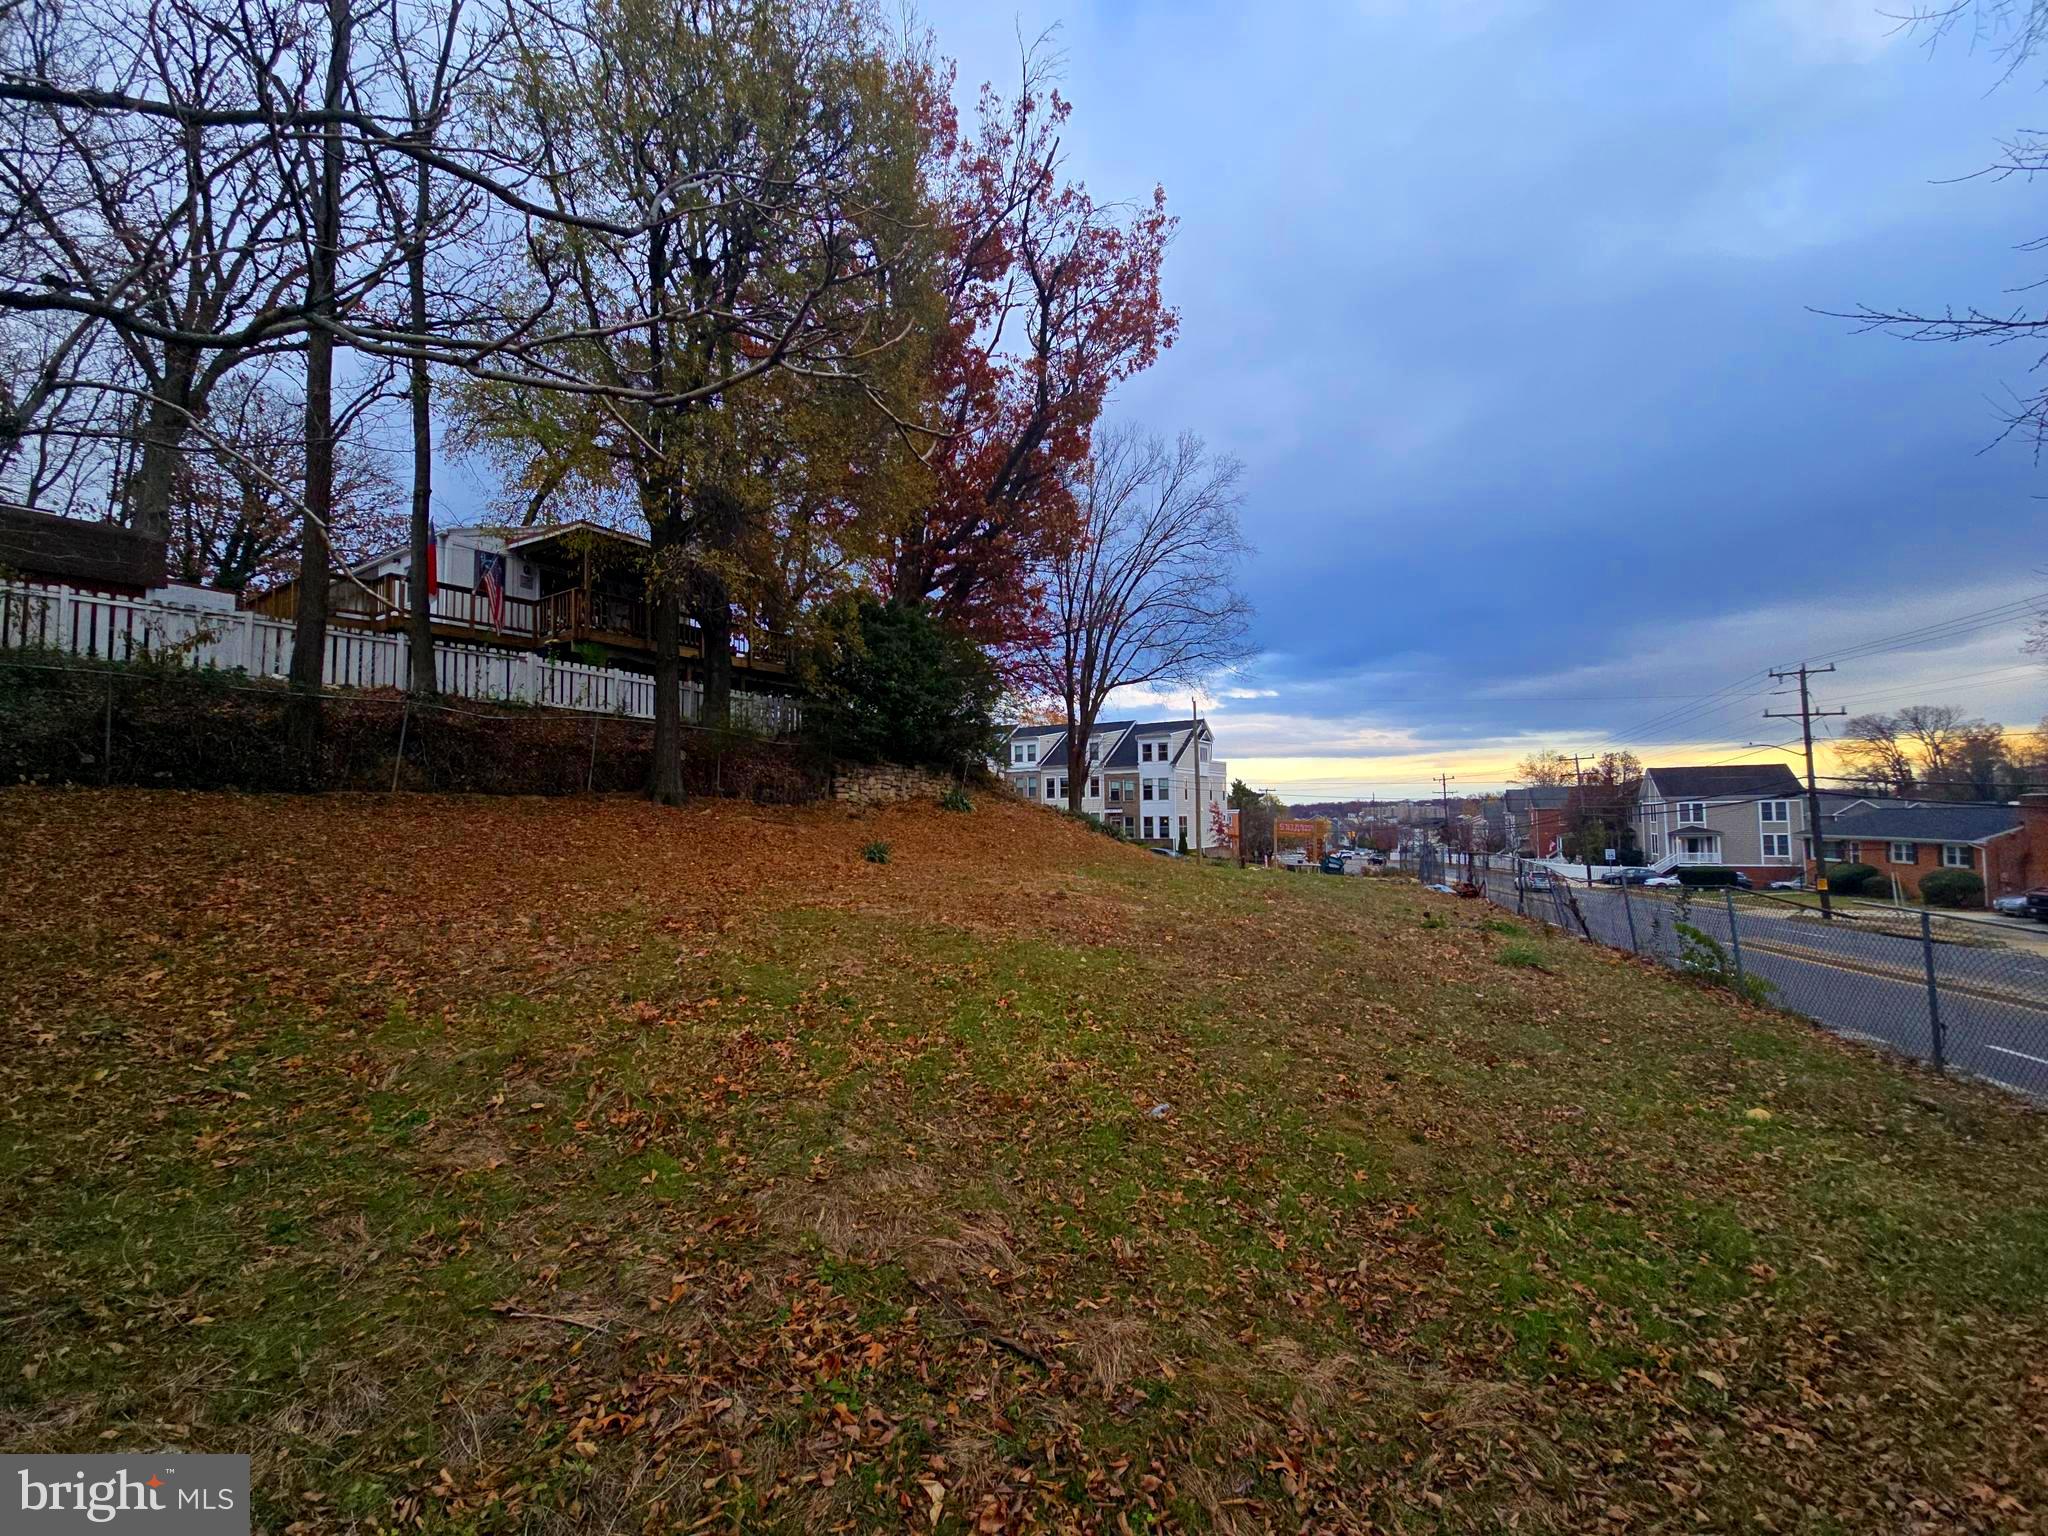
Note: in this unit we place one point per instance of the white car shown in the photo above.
(2011, 906)
(1292, 858)
(1664, 882)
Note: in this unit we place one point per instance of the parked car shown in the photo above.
(2012, 906)
(1292, 858)
(1535, 878)
(1796, 883)
(1630, 876)
(1707, 877)
(1167, 853)
(2037, 904)
(1664, 882)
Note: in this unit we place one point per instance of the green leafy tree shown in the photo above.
(905, 689)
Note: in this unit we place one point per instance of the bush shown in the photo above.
(904, 689)
(1708, 875)
(1952, 888)
(1851, 879)
(955, 799)
(876, 852)
(1524, 956)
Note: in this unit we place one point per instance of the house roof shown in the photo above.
(1723, 781)
(78, 550)
(1539, 797)
(1922, 822)
(1124, 733)
(1105, 730)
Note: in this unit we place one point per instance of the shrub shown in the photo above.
(955, 799)
(1708, 875)
(876, 852)
(904, 689)
(1952, 888)
(1850, 879)
(1526, 956)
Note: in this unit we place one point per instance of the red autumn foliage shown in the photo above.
(1052, 299)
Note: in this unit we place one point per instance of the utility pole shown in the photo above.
(1806, 716)
(1195, 711)
(1585, 853)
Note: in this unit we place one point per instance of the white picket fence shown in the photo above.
(125, 628)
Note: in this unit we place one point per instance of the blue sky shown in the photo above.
(1506, 307)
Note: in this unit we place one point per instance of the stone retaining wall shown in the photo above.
(887, 784)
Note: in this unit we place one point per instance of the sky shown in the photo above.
(1508, 309)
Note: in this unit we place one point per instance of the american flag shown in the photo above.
(490, 580)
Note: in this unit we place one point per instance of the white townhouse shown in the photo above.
(1154, 780)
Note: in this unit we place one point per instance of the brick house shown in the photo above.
(1533, 819)
(2006, 846)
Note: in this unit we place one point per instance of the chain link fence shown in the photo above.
(1967, 994)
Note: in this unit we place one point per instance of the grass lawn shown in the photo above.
(521, 1164)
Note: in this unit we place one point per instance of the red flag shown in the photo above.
(433, 564)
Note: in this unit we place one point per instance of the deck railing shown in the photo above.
(109, 628)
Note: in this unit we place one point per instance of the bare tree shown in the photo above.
(236, 499)
(1930, 750)
(2013, 33)
(1875, 753)
(172, 238)
(1142, 592)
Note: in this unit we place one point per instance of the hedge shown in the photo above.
(178, 727)
(1952, 888)
(1848, 879)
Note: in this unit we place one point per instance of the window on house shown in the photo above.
(1017, 752)
(1147, 792)
(1958, 856)
(1902, 853)
(1775, 810)
(1694, 811)
(1148, 826)
(1095, 789)
(1778, 845)
(1144, 751)
(1183, 826)
(1094, 752)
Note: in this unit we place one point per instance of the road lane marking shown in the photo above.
(2023, 1056)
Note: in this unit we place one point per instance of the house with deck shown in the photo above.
(569, 590)
(1153, 780)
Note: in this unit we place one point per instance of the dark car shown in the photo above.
(1624, 877)
(2037, 904)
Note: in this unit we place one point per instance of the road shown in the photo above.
(1867, 985)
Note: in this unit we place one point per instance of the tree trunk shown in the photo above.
(419, 622)
(713, 612)
(147, 495)
(309, 634)
(665, 775)
(1079, 731)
